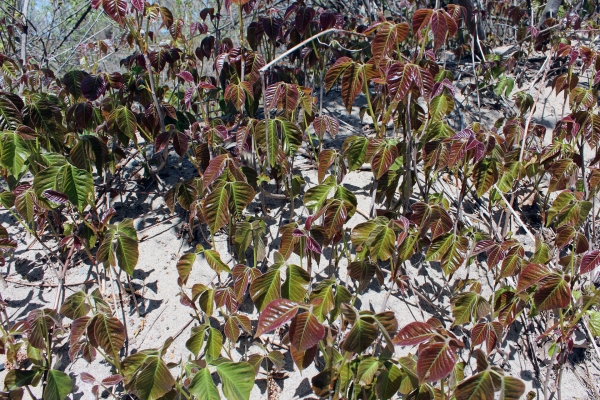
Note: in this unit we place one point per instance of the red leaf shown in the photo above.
(215, 169)
(414, 333)
(180, 143)
(435, 361)
(326, 123)
(56, 197)
(590, 261)
(336, 71)
(138, 5)
(489, 332)
(277, 313)
(186, 76)
(439, 28)
(553, 293)
(161, 141)
(116, 9)
(326, 159)
(93, 86)
(303, 359)
(304, 16)
(306, 331)
(421, 19)
(112, 380)
(532, 274)
(87, 378)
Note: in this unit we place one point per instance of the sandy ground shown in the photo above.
(164, 316)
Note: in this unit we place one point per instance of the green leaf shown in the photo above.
(485, 174)
(237, 378)
(361, 336)
(504, 86)
(266, 288)
(76, 183)
(108, 333)
(16, 378)
(184, 267)
(240, 195)
(75, 306)
(58, 387)
(268, 140)
(594, 322)
(450, 250)
(477, 387)
(120, 245)
(214, 344)
(315, 197)
(355, 151)
(291, 135)
(72, 81)
(441, 106)
(296, 283)
(214, 261)
(25, 204)
(388, 382)
(10, 116)
(203, 386)
(196, 340)
(153, 379)
(89, 150)
(383, 245)
(467, 306)
(367, 368)
(216, 209)
(13, 153)
(124, 119)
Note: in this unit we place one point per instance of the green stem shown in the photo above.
(369, 105)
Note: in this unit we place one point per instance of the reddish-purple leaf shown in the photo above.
(215, 169)
(384, 155)
(555, 292)
(306, 331)
(236, 93)
(303, 359)
(304, 16)
(489, 332)
(590, 261)
(162, 141)
(421, 19)
(326, 123)
(180, 143)
(435, 361)
(313, 245)
(93, 86)
(87, 378)
(414, 333)
(116, 9)
(275, 314)
(112, 380)
(326, 159)
(186, 76)
(532, 274)
(56, 197)
(387, 37)
(439, 27)
(271, 26)
(138, 5)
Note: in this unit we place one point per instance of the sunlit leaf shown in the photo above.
(237, 378)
